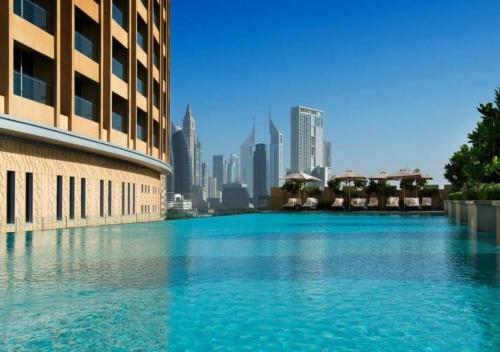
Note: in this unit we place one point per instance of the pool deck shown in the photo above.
(364, 212)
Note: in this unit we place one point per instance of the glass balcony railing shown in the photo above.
(119, 16)
(33, 13)
(85, 108)
(142, 132)
(119, 69)
(141, 41)
(32, 88)
(141, 87)
(119, 123)
(85, 46)
(156, 100)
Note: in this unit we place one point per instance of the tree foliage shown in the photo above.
(334, 186)
(478, 161)
(292, 187)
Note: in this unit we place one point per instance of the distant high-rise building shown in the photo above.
(306, 149)
(259, 172)
(182, 180)
(204, 175)
(189, 128)
(327, 153)
(218, 170)
(212, 187)
(276, 170)
(197, 163)
(232, 169)
(246, 161)
(235, 196)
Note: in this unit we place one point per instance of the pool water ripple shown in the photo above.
(265, 282)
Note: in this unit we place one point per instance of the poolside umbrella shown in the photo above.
(347, 177)
(382, 176)
(301, 177)
(404, 174)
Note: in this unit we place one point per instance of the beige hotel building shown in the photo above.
(84, 112)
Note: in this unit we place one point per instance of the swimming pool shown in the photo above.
(271, 282)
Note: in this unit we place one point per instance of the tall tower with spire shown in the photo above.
(189, 129)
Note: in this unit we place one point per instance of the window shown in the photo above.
(101, 198)
(83, 199)
(120, 114)
(133, 198)
(142, 125)
(120, 61)
(156, 134)
(11, 197)
(128, 199)
(59, 210)
(72, 198)
(29, 197)
(142, 34)
(120, 11)
(142, 80)
(110, 197)
(36, 14)
(123, 198)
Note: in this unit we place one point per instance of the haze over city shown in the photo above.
(398, 80)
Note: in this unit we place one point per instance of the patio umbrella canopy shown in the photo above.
(301, 177)
(382, 176)
(406, 174)
(347, 177)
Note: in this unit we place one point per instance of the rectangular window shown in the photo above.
(133, 198)
(83, 199)
(128, 199)
(101, 198)
(59, 198)
(29, 197)
(72, 198)
(110, 197)
(11, 197)
(123, 198)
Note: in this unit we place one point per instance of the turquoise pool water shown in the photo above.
(269, 282)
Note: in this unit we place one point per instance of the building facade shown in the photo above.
(189, 128)
(276, 165)
(260, 187)
(218, 171)
(307, 142)
(246, 161)
(232, 169)
(327, 154)
(84, 112)
(183, 182)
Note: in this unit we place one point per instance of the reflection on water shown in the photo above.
(162, 285)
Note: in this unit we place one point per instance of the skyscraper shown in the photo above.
(246, 161)
(276, 171)
(259, 172)
(218, 170)
(183, 183)
(204, 175)
(327, 153)
(232, 169)
(306, 139)
(189, 129)
(197, 163)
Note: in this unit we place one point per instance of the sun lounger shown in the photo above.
(373, 202)
(310, 203)
(392, 203)
(291, 204)
(411, 203)
(358, 203)
(426, 202)
(338, 203)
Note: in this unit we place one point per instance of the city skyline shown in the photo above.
(380, 57)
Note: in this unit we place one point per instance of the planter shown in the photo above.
(461, 212)
(452, 209)
(482, 216)
(496, 204)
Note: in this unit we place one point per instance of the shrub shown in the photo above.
(312, 190)
(489, 191)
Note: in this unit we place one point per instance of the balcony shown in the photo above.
(85, 108)
(32, 88)
(142, 42)
(119, 123)
(141, 87)
(85, 46)
(34, 14)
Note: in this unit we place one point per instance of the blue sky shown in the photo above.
(398, 80)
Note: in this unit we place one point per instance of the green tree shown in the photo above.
(373, 187)
(334, 186)
(358, 184)
(455, 169)
(292, 187)
(312, 191)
